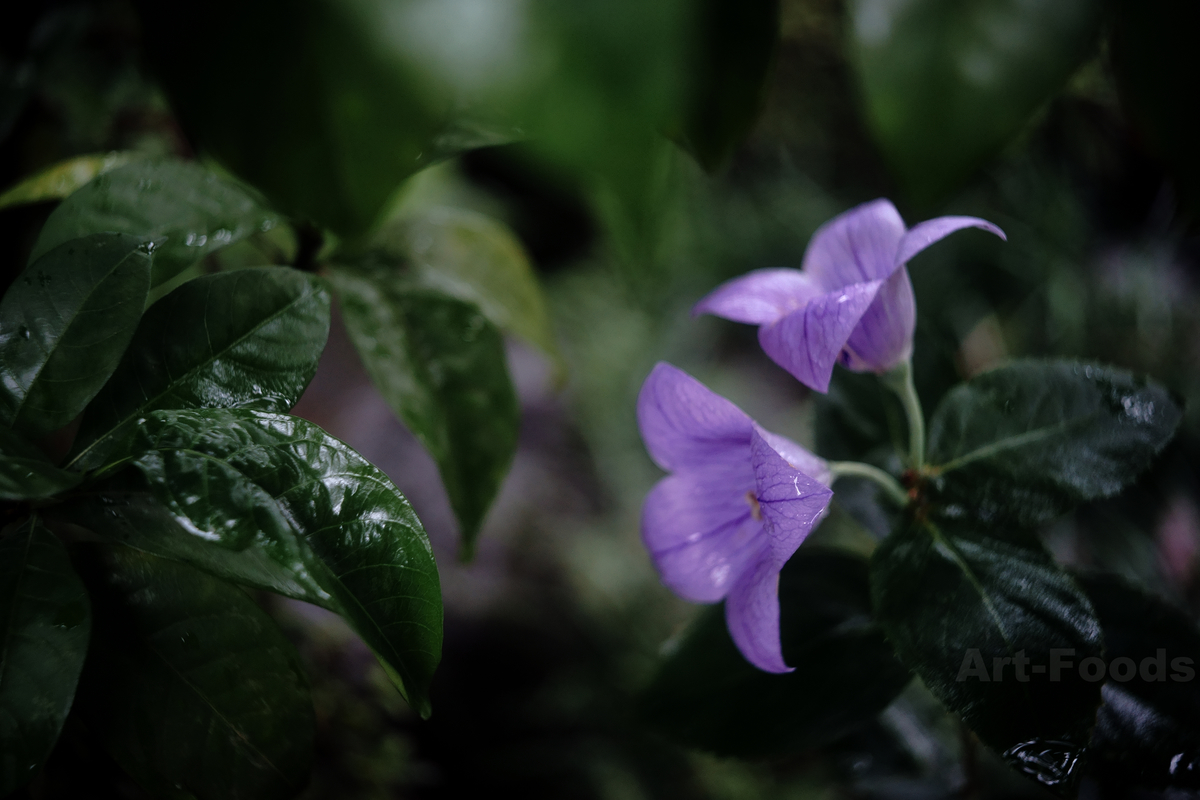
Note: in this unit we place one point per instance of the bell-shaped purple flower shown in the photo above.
(737, 504)
(851, 301)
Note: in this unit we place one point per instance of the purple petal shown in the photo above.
(811, 465)
(884, 336)
(855, 247)
(684, 424)
(759, 297)
(752, 614)
(701, 532)
(933, 230)
(791, 502)
(807, 342)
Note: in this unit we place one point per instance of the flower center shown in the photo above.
(755, 508)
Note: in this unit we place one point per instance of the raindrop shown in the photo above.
(69, 616)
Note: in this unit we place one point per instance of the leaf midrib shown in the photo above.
(204, 698)
(395, 661)
(79, 309)
(961, 562)
(149, 401)
(1013, 442)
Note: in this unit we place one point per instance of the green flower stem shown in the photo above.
(900, 381)
(856, 469)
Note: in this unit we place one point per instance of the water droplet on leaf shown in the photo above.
(1050, 763)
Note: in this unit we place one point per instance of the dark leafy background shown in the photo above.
(556, 627)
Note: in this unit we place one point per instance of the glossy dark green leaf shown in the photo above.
(273, 501)
(64, 324)
(1148, 730)
(470, 256)
(26, 473)
(947, 83)
(1158, 70)
(441, 366)
(188, 211)
(44, 627)
(706, 695)
(730, 63)
(191, 686)
(59, 180)
(1024, 443)
(258, 550)
(306, 100)
(244, 339)
(956, 604)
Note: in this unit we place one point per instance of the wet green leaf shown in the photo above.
(1024, 443)
(44, 627)
(64, 324)
(244, 339)
(59, 180)
(273, 501)
(472, 257)
(441, 366)
(1148, 730)
(187, 210)
(947, 83)
(306, 100)
(189, 684)
(706, 695)
(26, 473)
(978, 619)
(258, 550)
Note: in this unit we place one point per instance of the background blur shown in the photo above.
(1038, 116)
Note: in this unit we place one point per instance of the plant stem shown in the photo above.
(856, 469)
(900, 381)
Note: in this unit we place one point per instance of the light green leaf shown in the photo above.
(273, 501)
(244, 339)
(192, 688)
(26, 473)
(441, 367)
(44, 627)
(948, 83)
(59, 180)
(1023, 443)
(188, 211)
(707, 695)
(470, 256)
(978, 618)
(64, 324)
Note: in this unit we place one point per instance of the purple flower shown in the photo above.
(851, 300)
(737, 504)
